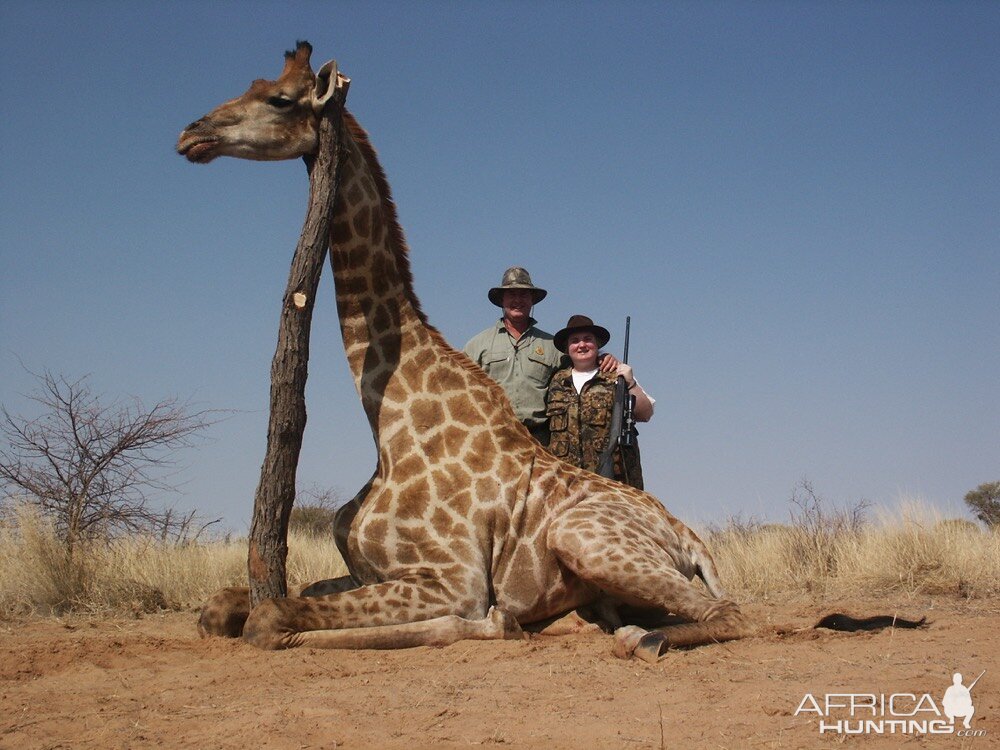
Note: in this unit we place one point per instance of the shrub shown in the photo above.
(985, 503)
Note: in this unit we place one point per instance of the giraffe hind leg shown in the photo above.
(726, 624)
(651, 645)
(622, 551)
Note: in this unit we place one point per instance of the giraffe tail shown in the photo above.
(848, 624)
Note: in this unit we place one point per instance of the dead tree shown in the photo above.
(90, 466)
(289, 368)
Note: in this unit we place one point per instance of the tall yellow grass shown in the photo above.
(133, 574)
(910, 551)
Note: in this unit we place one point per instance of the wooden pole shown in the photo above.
(289, 368)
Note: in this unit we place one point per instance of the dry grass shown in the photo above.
(132, 574)
(910, 551)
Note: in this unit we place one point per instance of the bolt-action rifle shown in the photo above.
(622, 428)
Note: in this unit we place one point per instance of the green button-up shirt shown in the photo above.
(523, 367)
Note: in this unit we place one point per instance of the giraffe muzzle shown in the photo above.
(195, 148)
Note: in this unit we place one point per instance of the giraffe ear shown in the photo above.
(328, 81)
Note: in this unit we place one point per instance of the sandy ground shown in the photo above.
(151, 682)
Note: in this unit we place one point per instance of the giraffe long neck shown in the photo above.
(387, 338)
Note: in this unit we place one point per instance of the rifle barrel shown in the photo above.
(976, 680)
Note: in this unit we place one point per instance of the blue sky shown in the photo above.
(798, 204)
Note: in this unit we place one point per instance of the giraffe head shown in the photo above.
(273, 120)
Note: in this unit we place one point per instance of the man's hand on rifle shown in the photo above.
(608, 363)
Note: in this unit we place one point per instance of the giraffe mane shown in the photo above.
(397, 240)
(401, 253)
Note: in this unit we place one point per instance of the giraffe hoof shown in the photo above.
(651, 647)
(505, 623)
(625, 641)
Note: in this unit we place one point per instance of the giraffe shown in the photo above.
(469, 528)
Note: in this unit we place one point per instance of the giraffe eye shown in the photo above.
(280, 101)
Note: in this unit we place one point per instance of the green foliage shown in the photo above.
(984, 501)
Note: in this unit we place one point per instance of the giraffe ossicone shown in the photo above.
(469, 528)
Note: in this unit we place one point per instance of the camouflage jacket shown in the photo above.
(580, 423)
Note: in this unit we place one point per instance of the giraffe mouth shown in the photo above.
(200, 151)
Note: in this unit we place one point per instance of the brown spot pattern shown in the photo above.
(456, 473)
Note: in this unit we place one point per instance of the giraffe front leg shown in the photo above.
(440, 631)
(226, 611)
(277, 623)
(329, 586)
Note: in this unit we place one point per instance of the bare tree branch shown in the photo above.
(93, 467)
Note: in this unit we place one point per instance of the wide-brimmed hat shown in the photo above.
(581, 323)
(515, 277)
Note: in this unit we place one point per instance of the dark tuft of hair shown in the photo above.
(299, 44)
(848, 624)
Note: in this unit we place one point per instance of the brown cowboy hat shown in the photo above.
(516, 277)
(581, 323)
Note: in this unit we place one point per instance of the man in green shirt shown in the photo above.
(518, 355)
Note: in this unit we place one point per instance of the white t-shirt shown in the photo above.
(581, 378)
